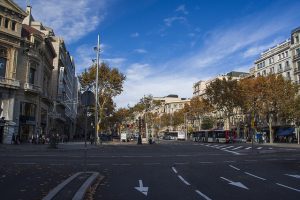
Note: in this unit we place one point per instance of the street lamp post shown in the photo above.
(97, 49)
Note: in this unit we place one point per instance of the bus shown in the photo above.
(181, 135)
(174, 135)
(200, 136)
(221, 136)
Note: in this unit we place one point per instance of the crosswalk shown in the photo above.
(229, 147)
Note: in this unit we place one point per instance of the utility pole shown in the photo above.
(96, 95)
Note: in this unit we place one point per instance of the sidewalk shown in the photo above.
(284, 145)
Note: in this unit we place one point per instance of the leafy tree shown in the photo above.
(223, 95)
(207, 123)
(110, 84)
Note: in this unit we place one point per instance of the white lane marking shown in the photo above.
(251, 160)
(203, 195)
(237, 148)
(227, 147)
(174, 170)
(185, 163)
(272, 159)
(221, 146)
(288, 187)
(236, 153)
(215, 145)
(255, 176)
(121, 164)
(94, 164)
(290, 159)
(184, 181)
(25, 163)
(270, 148)
(83, 188)
(141, 188)
(259, 148)
(293, 175)
(151, 163)
(57, 164)
(234, 167)
(237, 184)
(229, 161)
(203, 162)
(248, 148)
(181, 155)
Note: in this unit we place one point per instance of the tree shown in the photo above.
(110, 85)
(223, 96)
(268, 98)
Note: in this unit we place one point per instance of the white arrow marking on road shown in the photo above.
(141, 188)
(293, 175)
(238, 184)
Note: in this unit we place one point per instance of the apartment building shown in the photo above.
(199, 87)
(282, 58)
(38, 86)
(64, 83)
(169, 104)
(11, 17)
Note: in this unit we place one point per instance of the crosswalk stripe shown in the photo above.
(259, 148)
(248, 148)
(237, 148)
(228, 147)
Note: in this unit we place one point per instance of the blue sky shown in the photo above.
(164, 46)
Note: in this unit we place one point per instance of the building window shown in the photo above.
(286, 54)
(258, 74)
(27, 109)
(287, 64)
(13, 25)
(3, 61)
(31, 75)
(0, 20)
(297, 39)
(279, 56)
(298, 51)
(282, 55)
(264, 73)
(6, 23)
(288, 75)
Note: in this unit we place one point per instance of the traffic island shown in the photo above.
(75, 187)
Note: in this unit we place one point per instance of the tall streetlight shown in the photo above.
(97, 49)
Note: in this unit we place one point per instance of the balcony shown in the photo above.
(28, 87)
(9, 83)
(279, 70)
(296, 57)
(287, 68)
(297, 70)
(46, 96)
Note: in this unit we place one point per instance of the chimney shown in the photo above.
(28, 18)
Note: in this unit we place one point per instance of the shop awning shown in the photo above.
(285, 131)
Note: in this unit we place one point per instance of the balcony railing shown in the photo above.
(297, 56)
(296, 70)
(32, 88)
(11, 83)
(287, 68)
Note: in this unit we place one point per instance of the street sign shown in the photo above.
(141, 188)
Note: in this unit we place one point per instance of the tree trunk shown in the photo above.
(270, 129)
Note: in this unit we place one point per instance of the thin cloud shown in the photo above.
(70, 20)
(182, 9)
(169, 21)
(134, 35)
(141, 51)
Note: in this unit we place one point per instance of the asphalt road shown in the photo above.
(169, 170)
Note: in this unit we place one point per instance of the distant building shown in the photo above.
(199, 87)
(282, 59)
(169, 104)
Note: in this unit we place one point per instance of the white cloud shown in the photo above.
(138, 71)
(140, 51)
(169, 21)
(134, 35)
(70, 19)
(182, 9)
(256, 50)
